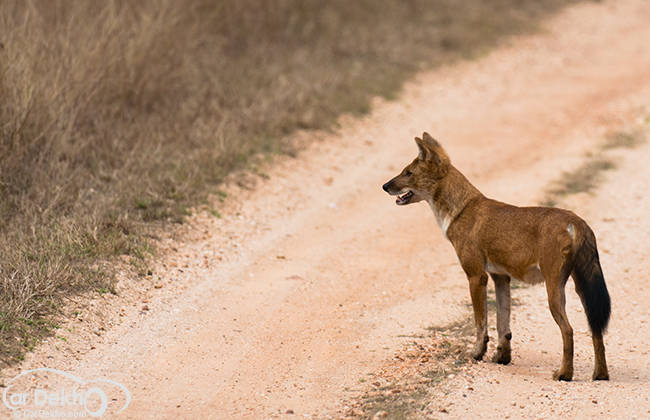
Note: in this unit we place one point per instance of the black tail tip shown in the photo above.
(598, 310)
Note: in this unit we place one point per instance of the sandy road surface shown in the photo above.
(308, 281)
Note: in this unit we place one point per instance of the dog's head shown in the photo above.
(417, 181)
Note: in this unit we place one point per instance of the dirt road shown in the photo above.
(309, 280)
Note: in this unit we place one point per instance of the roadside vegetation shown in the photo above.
(586, 177)
(405, 386)
(118, 116)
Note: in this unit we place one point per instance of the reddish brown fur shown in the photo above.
(532, 244)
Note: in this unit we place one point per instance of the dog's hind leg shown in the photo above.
(590, 285)
(502, 289)
(556, 277)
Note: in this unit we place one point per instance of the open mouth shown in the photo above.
(404, 198)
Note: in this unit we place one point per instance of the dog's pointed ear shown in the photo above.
(429, 140)
(423, 151)
(431, 150)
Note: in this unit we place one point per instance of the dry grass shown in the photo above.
(407, 386)
(587, 176)
(584, 178)
(117, 114)
(624, 139)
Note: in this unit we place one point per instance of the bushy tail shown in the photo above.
(590, 283)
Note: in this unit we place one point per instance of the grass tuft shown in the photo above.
(583, 179)
(408, 384)
(587, 176)
(624, 139)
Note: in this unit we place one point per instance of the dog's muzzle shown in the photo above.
(404, 195)
(386, 186)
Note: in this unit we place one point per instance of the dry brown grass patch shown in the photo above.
(407, 384)
(624, 139)
(586, 177)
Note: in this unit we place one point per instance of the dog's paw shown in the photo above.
(479, 351)
(559, 375)
(502, 356)
(600, 376)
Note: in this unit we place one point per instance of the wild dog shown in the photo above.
(532, 244)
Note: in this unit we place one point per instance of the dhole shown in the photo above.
(532, 244)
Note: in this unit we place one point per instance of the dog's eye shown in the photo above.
(408, 173)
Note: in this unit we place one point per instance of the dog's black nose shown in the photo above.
(386, 185)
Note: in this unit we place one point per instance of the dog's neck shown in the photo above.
(450, 196)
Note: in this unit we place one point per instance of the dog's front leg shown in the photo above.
(478, 291)
(502, 289)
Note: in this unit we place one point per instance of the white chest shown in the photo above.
(442, 218)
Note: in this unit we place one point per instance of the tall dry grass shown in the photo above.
(118, 113)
